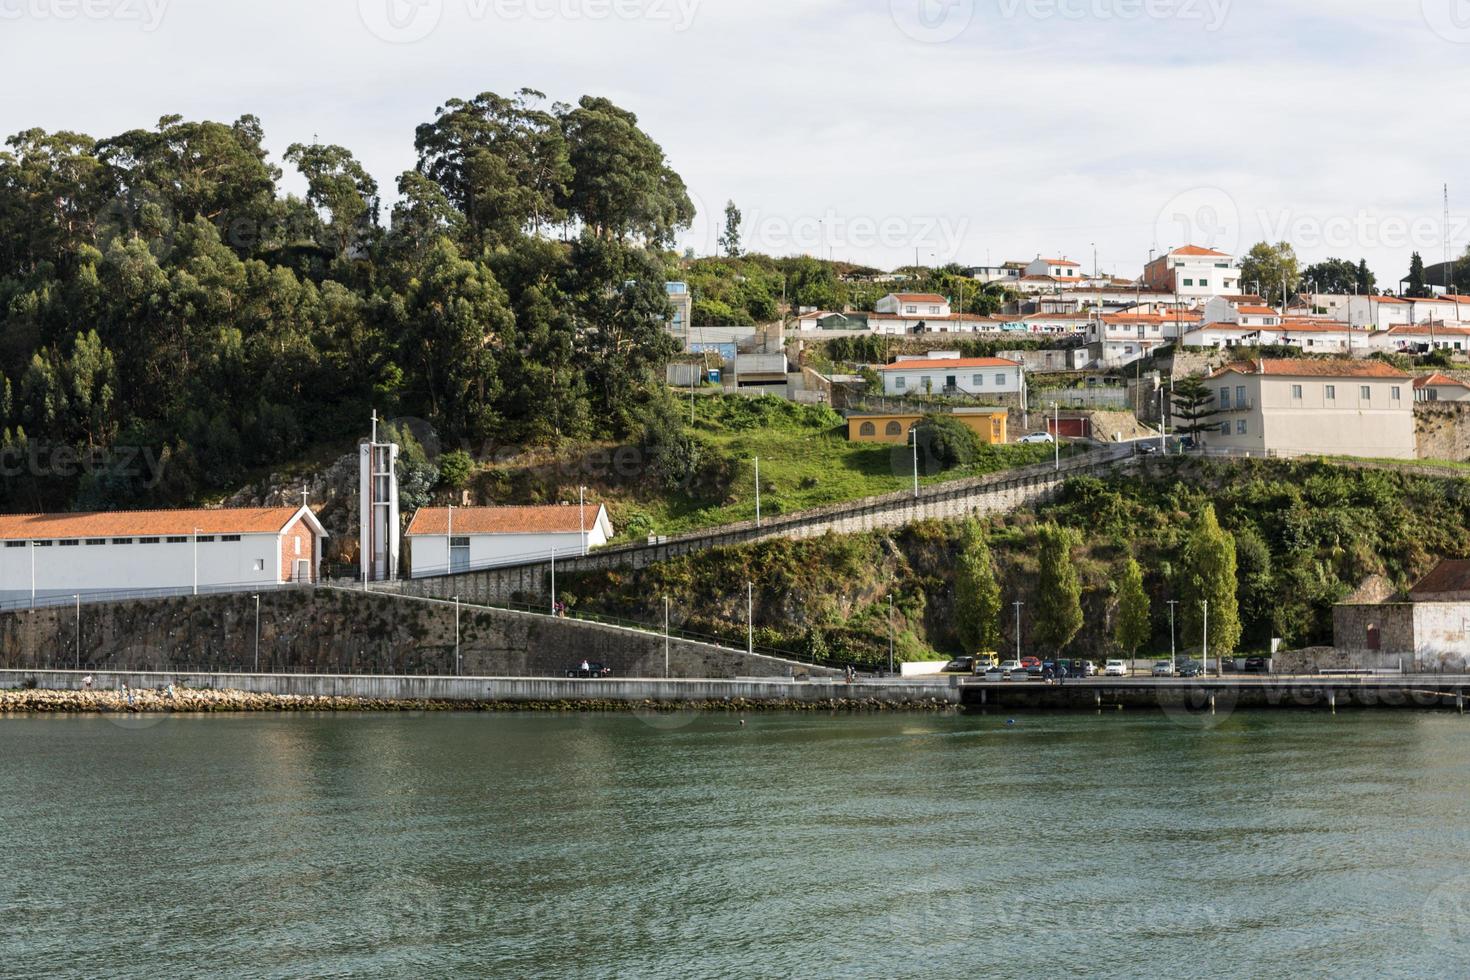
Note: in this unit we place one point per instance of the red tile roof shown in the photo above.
(920, 298)
(1256, 311)
(939, 364)
(1058, 262)
(1439, 381)
(146, 523)
(1447, 578)
(1197, 250)
(1295, 368)
(550, 519)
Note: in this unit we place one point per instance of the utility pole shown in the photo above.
(757, 491)
(1173, 646)
(196, 561)
(582, 516)
(456, 637)
(78, 598)
(914, 433)
(33, 575)
(449, 543)
(553, 581)
(750, 618)
(666, 637)
(257, 632)
(1056, 436)
(1018, 606)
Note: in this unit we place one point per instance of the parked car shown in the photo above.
(1012, 667)
(1037, 439)
(1009, 670)
(1115, 668)
(1191, 668)
(1149, 448)
(1164, 668)
(1086, 668)
(1257, 665)
(1031, 662)
(960, 666)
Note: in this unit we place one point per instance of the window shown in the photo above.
(900, 382)
(298, 544)
(230, 537)
(1000, 381)
(893, 429)
(176, 539)
(1296, 393)
(1189, 282)
(1224, 398)
(15, 544)
(926, 382)
(1240, 427)
(1366, 393)
(1332, 393)
(1224, 428)
(911, 309)
(148, 541)
(1240, 396)
(207, 539)
(1204, 283)
(122, 540)
(1396, 393)
(95, 542)
(978, 381)
(868, 429)
(69, 544)
(44, 544)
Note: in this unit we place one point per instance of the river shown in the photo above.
(519, 845)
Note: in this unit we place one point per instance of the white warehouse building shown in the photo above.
(938, 374)
(454, 540)
(49, 556)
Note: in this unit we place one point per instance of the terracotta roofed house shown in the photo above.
(461, 539)
(156, 551)
(1294, 407)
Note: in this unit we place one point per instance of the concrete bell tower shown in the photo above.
(380, 527)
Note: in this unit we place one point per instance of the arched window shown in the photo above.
(895, 429)
(868, 429)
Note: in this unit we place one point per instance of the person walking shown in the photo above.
(87, 683)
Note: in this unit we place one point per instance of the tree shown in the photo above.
(1191, 405)
(1058, 609)
(730, 240)
(1366, 281)
(1274, 267)
(948, 441)
(1335, 276)
(1417, 286)
(338, 184)
(1208, 575)
(976, 593)
(1134, 627)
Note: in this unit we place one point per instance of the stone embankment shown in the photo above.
(212, 702)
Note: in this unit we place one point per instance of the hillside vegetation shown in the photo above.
(1306, 535)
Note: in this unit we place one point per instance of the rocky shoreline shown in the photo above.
(188, 701)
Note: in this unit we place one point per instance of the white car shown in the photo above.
(1037, 438)
(1007, 670)
(1116, 668)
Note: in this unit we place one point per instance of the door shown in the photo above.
(459, 556)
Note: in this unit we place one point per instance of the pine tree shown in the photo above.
(1058, 608)
(1209, 575)
(977, 593)
(1416, 276)
(1191, 405)
(1134, 626)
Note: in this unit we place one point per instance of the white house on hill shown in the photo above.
(46, 556)
(460, 539)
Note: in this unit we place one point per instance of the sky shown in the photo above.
(873, 131)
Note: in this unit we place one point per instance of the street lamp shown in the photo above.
(1018, 606)
(890, 634)
(78, 598)
(196, 560)
(257, 632)
(1173, 648)
(757, 491)
(750, 618)
(457, 670)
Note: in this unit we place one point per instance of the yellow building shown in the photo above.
(893, 427)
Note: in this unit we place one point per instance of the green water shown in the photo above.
(1305, 845)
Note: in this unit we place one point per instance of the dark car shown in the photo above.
(1191, 668)
(962, 666)
(1147, 448)
(591, 671)
(1257, 665)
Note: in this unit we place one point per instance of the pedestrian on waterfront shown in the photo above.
(586, 669)
(170, 691)
(87, 683)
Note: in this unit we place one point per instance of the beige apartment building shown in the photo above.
(1294, 407)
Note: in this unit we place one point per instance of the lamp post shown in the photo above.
(757, 491)
(914, 433)
(1018, 606)
(666, 637)
(449, 542)
(196, 560)
(257, 632)
(582, 516)
(33, 575)
(750, 618)
(553, 581)
(890, 634)
(457, 670)
(1173, 647)
(78, 598)
(1206, 650)
(1056, 435)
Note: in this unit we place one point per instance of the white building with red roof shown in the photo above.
(1192, 272)
(913, 305)
(121, 553)
(453, 540)
(940, 374)
(1059, 270)
(1440, 388)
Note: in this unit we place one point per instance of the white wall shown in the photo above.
(429, 553)
(64, 571)
(939, 373)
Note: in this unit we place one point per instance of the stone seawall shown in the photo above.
(342, 632)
